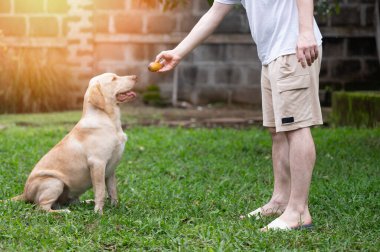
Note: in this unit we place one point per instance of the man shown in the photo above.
(289, 45)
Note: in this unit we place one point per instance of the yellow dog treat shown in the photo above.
(155, 66)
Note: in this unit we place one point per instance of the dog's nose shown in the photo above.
(134, 77)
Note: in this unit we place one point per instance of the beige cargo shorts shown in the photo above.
(290, 94)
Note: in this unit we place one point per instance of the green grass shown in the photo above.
(184, 189)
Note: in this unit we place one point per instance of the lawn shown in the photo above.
(184, 189)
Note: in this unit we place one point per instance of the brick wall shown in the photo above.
(123, 36)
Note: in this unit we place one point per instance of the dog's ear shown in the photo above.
(96, 97)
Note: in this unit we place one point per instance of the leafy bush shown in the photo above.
(327, 7)
(356, 109)
(152, 96)
(31, 82)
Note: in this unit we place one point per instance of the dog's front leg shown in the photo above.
(97, 169)
(111, 188)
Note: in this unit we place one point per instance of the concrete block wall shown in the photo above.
(350, 56)
(79, 28)
(225, 68)
(123, 36)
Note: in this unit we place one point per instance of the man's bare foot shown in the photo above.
(89, 201)
(269, 209)
(293, 219)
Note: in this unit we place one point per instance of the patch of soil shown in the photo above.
(27, 124)
(191, 116)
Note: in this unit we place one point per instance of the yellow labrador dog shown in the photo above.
(89, 154)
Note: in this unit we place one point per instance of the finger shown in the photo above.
(307, 57)
(298, 54)
(301, 56)
(160, 56)
(170, 66)
(312, 54)
(302, 60)
(165, 68)
(316, 51)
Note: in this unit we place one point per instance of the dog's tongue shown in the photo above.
(131, 94)
(126, 95)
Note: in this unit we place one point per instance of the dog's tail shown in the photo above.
(20, 197)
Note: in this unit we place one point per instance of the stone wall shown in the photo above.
(123, 36)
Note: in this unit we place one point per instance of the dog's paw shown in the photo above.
(114, 202)
(59, 211)
(65, 211)
(98, 210)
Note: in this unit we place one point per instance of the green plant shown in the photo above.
(31, 82)
(152, 96)
(327, 7)
(153, 88)
(359, 109)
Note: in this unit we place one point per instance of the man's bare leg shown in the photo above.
(301, 159)
(281, 172)
(281, 191)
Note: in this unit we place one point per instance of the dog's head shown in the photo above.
(108, 89)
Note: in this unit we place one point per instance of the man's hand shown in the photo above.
(307, 49)
(169, 59)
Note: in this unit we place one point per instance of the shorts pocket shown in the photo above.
(295, 100)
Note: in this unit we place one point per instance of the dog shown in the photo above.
(88, 155)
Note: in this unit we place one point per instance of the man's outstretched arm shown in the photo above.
(205, 26)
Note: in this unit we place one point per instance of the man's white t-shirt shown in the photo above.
(274, 26)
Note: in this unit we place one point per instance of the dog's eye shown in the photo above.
(114, 78)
